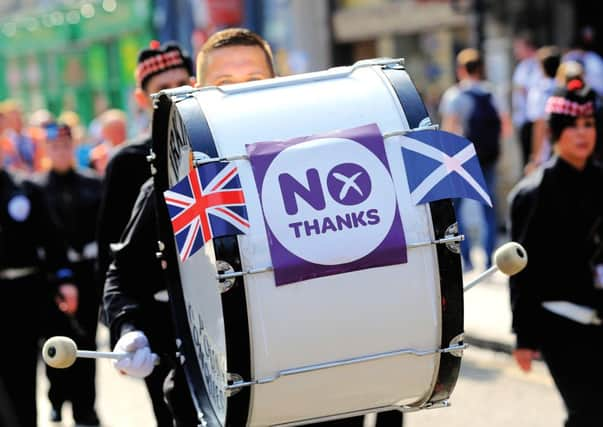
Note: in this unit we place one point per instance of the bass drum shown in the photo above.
(332, 347)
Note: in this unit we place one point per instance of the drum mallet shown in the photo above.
(510, 259)
(61, 352)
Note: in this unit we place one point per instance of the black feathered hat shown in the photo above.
(158, 58)
(568, 102)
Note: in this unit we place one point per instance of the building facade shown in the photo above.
(79, 56)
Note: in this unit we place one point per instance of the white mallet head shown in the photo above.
(511, 258)
(59, 352)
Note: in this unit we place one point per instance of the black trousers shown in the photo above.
(154, 383)
(77, 383)
(178, 398)
(573, 352)
(20, 319)
(172, 402)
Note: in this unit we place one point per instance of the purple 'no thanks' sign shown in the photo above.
(329, 204)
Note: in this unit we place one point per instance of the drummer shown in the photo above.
(135, 280)
(159, 67)
(137, 314)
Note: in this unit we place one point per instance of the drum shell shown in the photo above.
(332, 318)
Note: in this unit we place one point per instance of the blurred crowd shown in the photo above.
(539, 71)
(23, 138)
(474, 108)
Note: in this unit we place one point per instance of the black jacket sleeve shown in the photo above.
(525, 302)
(125, 174)
(135, 275)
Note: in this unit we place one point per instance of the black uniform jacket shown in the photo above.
(125, 174)
(28, 236)
(74, 199)
(135, 278)
(556, 214)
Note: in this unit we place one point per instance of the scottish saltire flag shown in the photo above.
(442, 165)
(208, 203)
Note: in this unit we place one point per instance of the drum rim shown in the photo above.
(196, 130)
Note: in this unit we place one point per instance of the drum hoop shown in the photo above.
(226, 248)
(184, 341)
(450, 273)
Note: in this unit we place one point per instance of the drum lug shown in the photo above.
(233, 379)
(394, 65)
(225, 284)
(199, 157)
(151, 157)
(160, 249)
(180, 357)
(436, 405)
(457, 341)
(452, 231)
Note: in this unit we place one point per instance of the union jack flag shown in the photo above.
(208, 203)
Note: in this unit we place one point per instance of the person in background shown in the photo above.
(569, 70)
(526, 74)
(159, 67)
(582, 51)
(37, 120)
(24, 150)
(549, 58)
(557, 300)
(33, 271)
(78, 133)
(73, 197)
(114, 130)
(471, 109)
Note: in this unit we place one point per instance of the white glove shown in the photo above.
(140, 362)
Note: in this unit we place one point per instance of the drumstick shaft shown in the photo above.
(479, 278)
(100, 354)
(104, 355)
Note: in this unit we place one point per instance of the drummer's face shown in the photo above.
(236, 64)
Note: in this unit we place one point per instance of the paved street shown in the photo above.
(493, 392)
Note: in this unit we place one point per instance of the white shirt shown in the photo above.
(537, 97)
(526, 75)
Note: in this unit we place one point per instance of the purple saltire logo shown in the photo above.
(329, 204)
